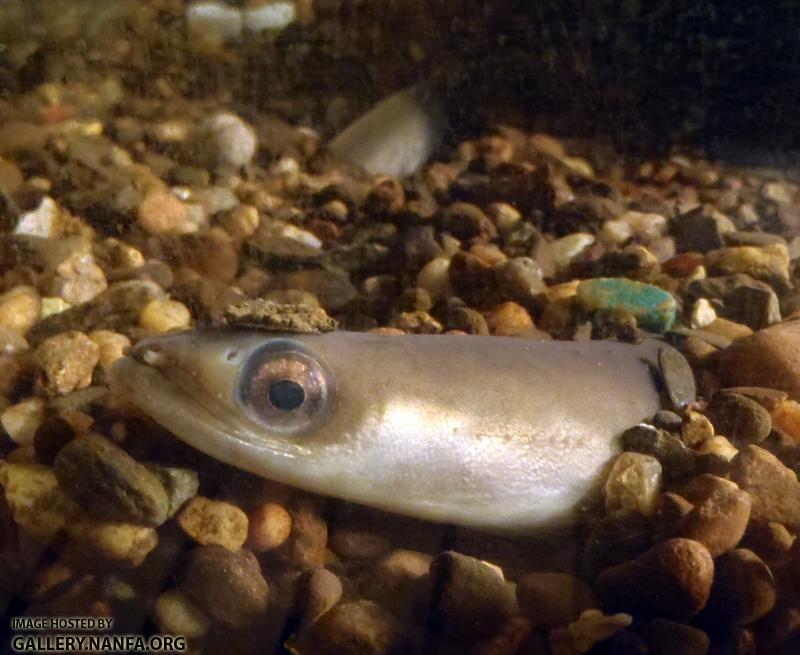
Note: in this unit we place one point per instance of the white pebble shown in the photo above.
(22, 420)
(703, 314)
(647, 226)
(44, 221)
(615, 232)
(557, 255)
(214, 21)
(271, 16)
(231, 140)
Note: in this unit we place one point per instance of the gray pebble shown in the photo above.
(678, 378)
(675, 458)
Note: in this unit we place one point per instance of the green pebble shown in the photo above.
(653, 308)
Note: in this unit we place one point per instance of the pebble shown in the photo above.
(755, 306)
(508, 319)
(771, 541)
(675, 458)
(361, 627)
(557, 255)
(681, 570)
(332, 289)
(230, 142)
(768, 263)
(401, 582)
(213, 522)
(743, 589)
(66, 362)
(720, 514)
(740, 419)
(109, 484)
(45, 221)
(470, 278)
(112, 346)
(352, 543)
(592, 628)
(769, 358)
(467, 221)
(678, 378)
(553, 599)
(160, 212)
(786, 417)
(514, 637)
(161, 316)
(769, 399)
(306, 545)
(653, 308)
(20, 308)
(633, 483)
(729, 330)
(615, 538)
(38, 505)
(696, 429)
(269, 527)
(774, 488)
(117, 544)
(78, 279)
(181, 484)
(519, 279)
(50, 437)
(668, 420)
(434, 277)
(226, 585)
(272, 16)
(469, 600)
(214, 21)
(175, 614)
(316, 591)
(696, 231)
(703, 314)
(22, 420)
(670, 638)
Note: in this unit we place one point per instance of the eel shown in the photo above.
(499, 434)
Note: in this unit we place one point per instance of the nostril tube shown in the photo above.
(148, 353)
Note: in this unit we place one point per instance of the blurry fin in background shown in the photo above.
(396, 137)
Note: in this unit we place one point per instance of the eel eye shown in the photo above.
(284, 387)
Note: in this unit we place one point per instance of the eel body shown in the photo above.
(499, 434)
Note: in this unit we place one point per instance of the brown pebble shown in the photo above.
(743, 589)
(50, 437)
(770, 541)
(769, 358)
(509, 641)
(469, 599)
(696, 429)
(719, 516)
(305, 547)
(670, 509)
(161, 213)
(353, 543)
(669, 638)
(508, 320)
(552, 599)
(316, 591)
(740, 419)
(769, 399)
(358, 628)
(226, 585)
(774, 488)
(401, 582)
(269, 527)
(680, 569)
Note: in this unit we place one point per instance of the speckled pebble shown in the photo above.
(109, 483)
(117, 544)
(39, 507)
(653, 308)
(20, 308)
(212, 522)
(66, 362)
(305, 547)
(181, 484)
(227, 586)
